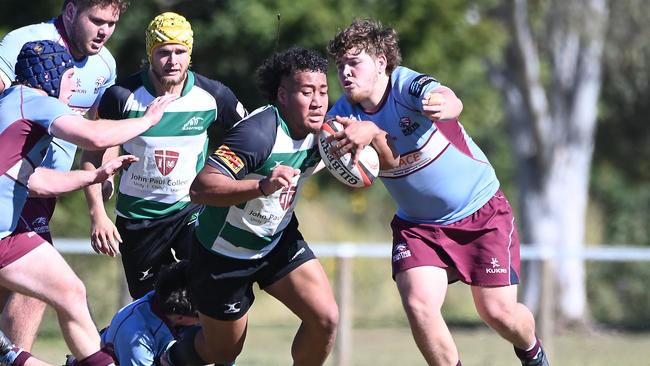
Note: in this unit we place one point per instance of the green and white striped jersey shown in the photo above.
(251, 150)
(173, 151)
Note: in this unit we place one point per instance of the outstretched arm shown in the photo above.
(101, 134)
(49, 183)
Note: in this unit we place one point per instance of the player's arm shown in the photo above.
(104, 236)
(441, 104)
(101, 134)
(356, 135)
(246, 146)
(213, 187)
(46, 182)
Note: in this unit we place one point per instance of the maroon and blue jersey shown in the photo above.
(443, 176)
(93, 75)
(26, 116)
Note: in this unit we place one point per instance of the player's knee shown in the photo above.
(417, 306)
(328, 322)
(73, 293)
(498, 315)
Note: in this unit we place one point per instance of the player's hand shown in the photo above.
(356, 135)
(281, 177)
(157, 107)
(112, 166)
(104, 237)
(433, 106)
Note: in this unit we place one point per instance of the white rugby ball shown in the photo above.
(358, 175)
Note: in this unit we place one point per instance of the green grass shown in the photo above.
(390, 346)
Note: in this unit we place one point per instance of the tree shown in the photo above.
(551, 80)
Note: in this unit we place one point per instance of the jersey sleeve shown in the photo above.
(110, 81)
(43, 110)
(412, 86)
(229, 108)
(247, 145)
(113, 103)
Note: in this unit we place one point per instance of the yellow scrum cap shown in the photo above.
(169, 28)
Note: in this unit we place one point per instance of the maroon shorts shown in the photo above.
(16, 245)
(480, 250)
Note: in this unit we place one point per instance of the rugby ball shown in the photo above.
(358, 175)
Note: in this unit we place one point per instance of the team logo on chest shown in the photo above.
(407, 126)
(286, 197)
(98, 84)
(166, 161)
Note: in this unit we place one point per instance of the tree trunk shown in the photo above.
(552, 127)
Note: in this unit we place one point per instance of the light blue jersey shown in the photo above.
(25, 119)
(443, 176)
(93, 75)
(138, 335)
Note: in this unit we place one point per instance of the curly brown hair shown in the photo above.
(121, 5)
(370, 36)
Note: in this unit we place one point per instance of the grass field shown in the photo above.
(381, 336)
(269, 346)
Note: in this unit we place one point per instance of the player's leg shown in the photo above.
(220, 341)
(423, 290)
(21, 318)
(307, 293)
(498, 307)
(44, 274)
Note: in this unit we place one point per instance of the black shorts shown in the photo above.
(222, 287)
(147, 246)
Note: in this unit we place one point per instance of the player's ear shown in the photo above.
(282, 95)
(69, 11)
(381, 63)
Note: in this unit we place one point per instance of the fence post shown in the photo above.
(546, 321)
(345, 300)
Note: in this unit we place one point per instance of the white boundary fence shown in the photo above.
(344, 252)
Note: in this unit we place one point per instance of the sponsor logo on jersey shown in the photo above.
(166, 161)
(496, 267)
(286, 197)
(232, 161)
(193, 124)
(408, 126)
(418, 84)
(401, 251)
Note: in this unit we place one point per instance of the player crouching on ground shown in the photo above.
(141, 331)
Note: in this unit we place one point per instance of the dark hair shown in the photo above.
(172, 290)
(121, 5)
(370, 36)
(287, 63)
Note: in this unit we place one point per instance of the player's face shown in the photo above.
(68, 86)
(91, 28)
(303, 101)
(169, 64)
(359, 73)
